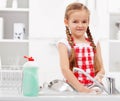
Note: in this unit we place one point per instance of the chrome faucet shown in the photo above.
(101, 86)
(111, 86)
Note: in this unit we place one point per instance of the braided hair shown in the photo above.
(72, 58)
(96, 61)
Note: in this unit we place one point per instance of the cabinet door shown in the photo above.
(47, 18)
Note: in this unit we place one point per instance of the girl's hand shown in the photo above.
(96, 90)
(99, 77)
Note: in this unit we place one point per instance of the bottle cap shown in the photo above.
(29, 58)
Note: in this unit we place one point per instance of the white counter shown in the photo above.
(63, 98)
(51, 95)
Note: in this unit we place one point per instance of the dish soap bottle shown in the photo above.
(30, 86)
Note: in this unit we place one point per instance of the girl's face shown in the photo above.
(78, 22)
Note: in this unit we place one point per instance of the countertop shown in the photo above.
(62, 97)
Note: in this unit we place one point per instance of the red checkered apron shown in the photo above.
(85, 61)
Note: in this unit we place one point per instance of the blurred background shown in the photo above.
(33, 27)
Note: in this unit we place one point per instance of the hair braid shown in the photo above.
(69, 38)
(96, 60)
(72, 58)
(91, 39)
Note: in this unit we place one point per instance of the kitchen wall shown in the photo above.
(45, 51)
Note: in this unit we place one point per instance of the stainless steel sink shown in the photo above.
(60, 87)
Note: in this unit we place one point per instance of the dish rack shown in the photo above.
(11, 82)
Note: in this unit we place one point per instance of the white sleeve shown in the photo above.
(65, 42)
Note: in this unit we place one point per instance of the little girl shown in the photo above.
(79, 49)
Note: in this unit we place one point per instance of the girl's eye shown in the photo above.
(75, 21)
(84, 21)
(78, 21)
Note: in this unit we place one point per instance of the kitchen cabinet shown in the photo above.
(14, 44)
(114, 32)
(12, 48)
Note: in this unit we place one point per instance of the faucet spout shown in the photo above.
(91, 78)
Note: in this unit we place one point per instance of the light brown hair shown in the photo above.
(72, 59)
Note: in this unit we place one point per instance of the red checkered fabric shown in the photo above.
(85, 61)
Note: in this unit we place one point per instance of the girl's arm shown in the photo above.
(101, 73)
(68, 74)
